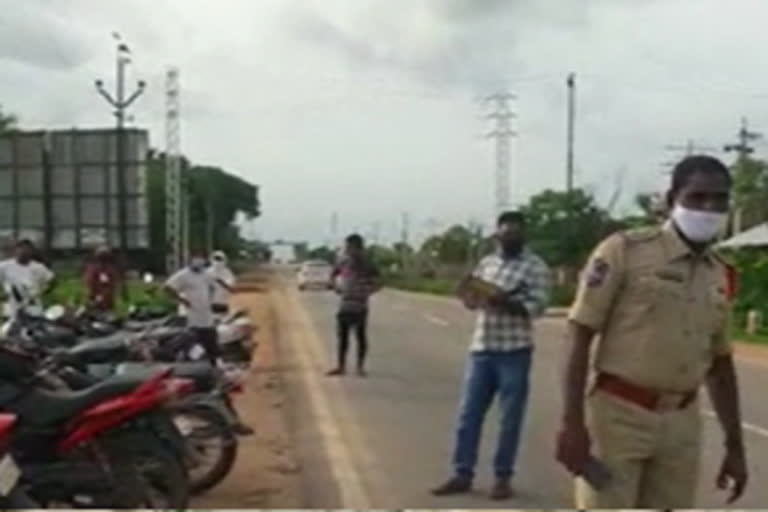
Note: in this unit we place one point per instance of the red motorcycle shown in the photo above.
(112, 445)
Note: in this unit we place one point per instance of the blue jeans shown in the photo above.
(488, 373)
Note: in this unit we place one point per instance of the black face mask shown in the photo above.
(512, 247)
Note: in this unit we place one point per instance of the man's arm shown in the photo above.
(723, 388)
(598, 288)
(48, 279)
(173, 288)
(532, 301)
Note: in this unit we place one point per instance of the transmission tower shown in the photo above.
(502, 133)
(173, 179)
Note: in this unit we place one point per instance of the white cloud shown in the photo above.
(368, 108)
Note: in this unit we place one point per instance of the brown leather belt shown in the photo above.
(644, 397)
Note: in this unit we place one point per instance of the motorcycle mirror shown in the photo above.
(54, 313)
(149, 278)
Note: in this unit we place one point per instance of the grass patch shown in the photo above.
(759, 338)
(72, 293)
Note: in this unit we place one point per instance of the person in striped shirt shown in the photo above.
(356, 278)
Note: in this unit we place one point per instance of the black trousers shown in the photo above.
(209, 339)
(347, 321)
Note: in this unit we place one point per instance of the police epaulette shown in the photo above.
(643, 234)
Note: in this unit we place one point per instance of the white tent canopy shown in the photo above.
(756, 236)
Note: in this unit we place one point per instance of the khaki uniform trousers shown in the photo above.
(652, 455)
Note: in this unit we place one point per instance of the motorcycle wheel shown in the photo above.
(212, 446)
(163, 474)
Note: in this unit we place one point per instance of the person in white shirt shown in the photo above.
(30, 278)
(225, 282)
(193, 288)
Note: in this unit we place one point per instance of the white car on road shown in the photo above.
(315, 274)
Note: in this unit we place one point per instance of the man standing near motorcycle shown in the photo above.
(29, 277)
(193, 288)
(225, 282)
(102, 279)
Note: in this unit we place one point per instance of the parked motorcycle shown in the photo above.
(113, 444)
(12, 496)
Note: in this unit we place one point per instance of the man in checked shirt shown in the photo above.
(500, 354)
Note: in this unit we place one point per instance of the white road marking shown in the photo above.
(749, 427)
(436, 320)
(308, 351)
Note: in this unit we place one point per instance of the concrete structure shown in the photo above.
(60, 188)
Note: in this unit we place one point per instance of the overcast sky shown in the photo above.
(369, 107)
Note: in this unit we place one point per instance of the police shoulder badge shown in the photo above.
(597, 272)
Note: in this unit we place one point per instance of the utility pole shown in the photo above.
(743, 150)
(173, 178)
(742, 147)
(502, 134)
(120, 103)
(571, 83)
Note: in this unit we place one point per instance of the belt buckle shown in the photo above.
(669, 402)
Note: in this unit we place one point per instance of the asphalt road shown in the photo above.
(402, 416)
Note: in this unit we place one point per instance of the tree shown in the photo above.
(8, 122)
(454, 246)
(750, 191)
(213, 193)
(323, 253)
(564, 228)
(651, 209)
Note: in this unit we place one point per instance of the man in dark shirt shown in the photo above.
(356, 279)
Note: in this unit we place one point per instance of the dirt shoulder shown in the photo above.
(267, 471)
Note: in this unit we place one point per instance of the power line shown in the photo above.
(502, 134)
(687, 149)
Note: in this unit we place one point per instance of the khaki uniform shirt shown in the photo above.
(659, 308)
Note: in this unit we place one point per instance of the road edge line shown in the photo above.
(351, 488)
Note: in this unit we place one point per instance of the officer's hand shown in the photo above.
(733, 473)
(573, 445)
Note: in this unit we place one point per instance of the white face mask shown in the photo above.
(697, 225)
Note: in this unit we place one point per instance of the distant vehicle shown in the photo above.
(315, 274)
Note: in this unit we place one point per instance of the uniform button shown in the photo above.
(691, 300)
(683, 368)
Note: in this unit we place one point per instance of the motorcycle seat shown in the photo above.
(45, 407)
(96, 350)
(203, 374)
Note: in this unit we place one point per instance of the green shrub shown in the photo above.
(72, 293)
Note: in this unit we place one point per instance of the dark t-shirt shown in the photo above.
(355, 283)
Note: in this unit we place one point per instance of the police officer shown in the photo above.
(657, 299)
